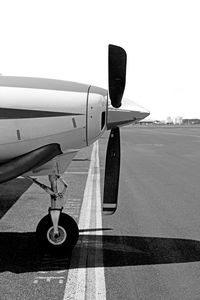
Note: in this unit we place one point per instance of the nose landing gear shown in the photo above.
(57, 232)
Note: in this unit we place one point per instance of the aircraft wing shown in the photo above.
(26, 162)
(57, 165)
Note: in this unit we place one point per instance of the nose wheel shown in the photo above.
(63, 241)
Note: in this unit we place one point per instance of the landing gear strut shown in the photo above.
(57, 232)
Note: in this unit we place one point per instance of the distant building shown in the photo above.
(178, 120)
(191, 121)
(146, 122)
(169, 121)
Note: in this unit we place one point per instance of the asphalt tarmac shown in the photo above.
(149, 249)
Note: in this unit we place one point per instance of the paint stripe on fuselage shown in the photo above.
(12, 113)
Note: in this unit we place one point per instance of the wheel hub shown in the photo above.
(57, 239)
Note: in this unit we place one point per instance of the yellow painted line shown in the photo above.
(88, 282)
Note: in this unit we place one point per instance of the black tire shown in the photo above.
(65, 242)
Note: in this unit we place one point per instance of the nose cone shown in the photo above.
(139, 112)
(129, 112)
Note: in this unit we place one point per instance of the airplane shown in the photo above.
(45, 122)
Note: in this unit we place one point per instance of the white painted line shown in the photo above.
(73, 199)
(43, 272)
(76, 280)
(75, 173)
(60, 272)
(89, 282)
(100, 277)
(48, 279)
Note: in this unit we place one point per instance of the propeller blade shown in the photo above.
(112, 168)
(117, 74)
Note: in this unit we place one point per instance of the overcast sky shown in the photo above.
(68, 40)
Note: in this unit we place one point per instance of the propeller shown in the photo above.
(116, 74)
(112, 169)
(117, 80)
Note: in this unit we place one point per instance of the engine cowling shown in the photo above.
(96, 114)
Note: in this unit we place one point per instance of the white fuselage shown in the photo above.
(35, 112)
(31, 118)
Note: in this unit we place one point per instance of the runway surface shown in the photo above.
(149, 249)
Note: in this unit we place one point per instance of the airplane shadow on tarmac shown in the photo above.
(19, 253)
(10, 192)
